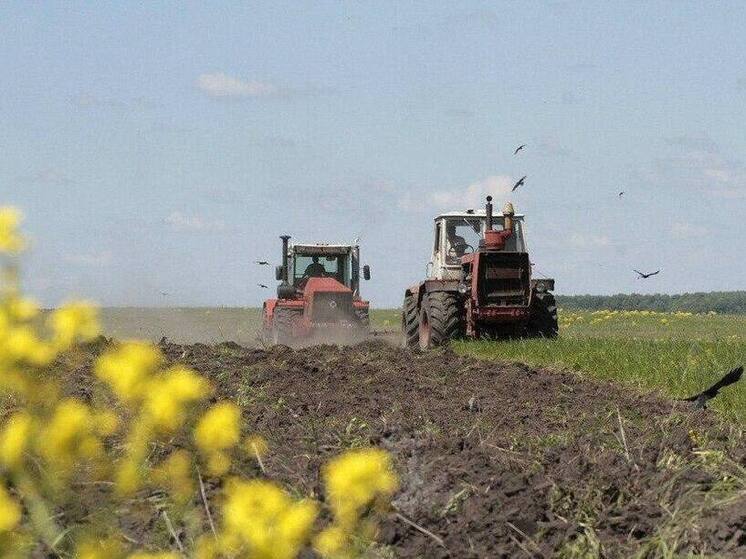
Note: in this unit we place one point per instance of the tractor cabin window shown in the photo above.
(330, 266)
(462, 237)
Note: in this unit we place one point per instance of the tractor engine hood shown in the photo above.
(328, 300)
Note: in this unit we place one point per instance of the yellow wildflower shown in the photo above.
(11, 241)
(21, 308)
(263, 518)
(69, 434)
(21, 344)
(219, 428)
(128, 368)
(168, 394)
(176, 473)
(357, 479)
(14, 439)
(330, 542)
(75, 321)
(10, 512)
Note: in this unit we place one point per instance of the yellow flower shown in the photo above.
(330, 542)
(14, 439)
(168, 394)
(263, 518)
(10, 512)
(128, 368)
(68, 435)
(21, 344)
(75, 321)
(11, 241)
(219, 428)
(357, 479)
(22, 309)
(176, 473)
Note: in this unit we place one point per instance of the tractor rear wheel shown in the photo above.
(543, 320)
(442, 319)
(282, 326)
(409, 321)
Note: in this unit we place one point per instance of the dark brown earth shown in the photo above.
(495, 460)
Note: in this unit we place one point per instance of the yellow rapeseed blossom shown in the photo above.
(127, 369)
(69, 435)
(11, 242)
(14, 439)
(21, 308)
(75, 321)
(355, 480)
(168, 394)
(330, 542)
(175, 473)
(260, 517)
(22, 345)
(219, 428)
(10, 512)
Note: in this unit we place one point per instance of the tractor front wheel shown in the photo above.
(442, 319)
(409, 321)
(282, 326)
(543, 320)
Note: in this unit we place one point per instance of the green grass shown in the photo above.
(677, 354)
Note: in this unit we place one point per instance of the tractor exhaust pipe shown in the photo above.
(488, 211)
(285, 239)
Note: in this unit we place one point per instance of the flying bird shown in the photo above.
(262, 286)
(621, 193)
(261, 262)
(164, 294)
(519, 183)
(700, 400)
(519, 148)
(645, 276)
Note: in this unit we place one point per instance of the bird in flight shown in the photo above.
(621, 193)
(645, 276)
(519, 148)
(519, 183)
(700, 400)
(164, 294)
(262, 286)
(261, 262)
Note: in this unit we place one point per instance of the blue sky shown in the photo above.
(163, 148)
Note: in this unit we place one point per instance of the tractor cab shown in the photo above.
(461, 233)
(338, 262)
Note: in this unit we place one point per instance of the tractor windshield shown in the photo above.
(464, 233)
(321, 266)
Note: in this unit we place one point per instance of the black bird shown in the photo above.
(700, 400)
(262, 286)
(261, 262)
(519, 148)
(519, 183)
(645, 276)
(621, 193)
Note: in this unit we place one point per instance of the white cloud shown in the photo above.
(473, 195)
(224, 86)
(181, 222)
(685, 230)
(94, 259)
(704, 170)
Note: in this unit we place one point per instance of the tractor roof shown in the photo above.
(474, 213)
(320, 248)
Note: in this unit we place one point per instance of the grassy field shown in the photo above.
(676, 353)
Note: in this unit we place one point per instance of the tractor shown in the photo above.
(318, 295)
(479, 283)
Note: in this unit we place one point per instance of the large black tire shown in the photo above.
(409, 321)
(282, 326)
(543, 320)
(442, 319)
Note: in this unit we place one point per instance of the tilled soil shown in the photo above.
(495, 460)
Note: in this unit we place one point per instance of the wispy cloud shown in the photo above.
(473, 195)
(220, 85)
(178, 221)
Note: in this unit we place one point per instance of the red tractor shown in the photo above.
(479, 283)
(319, 295)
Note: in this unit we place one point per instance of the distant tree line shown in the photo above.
(722, 302)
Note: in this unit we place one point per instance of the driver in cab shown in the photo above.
(456, 243)
(315, 269)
